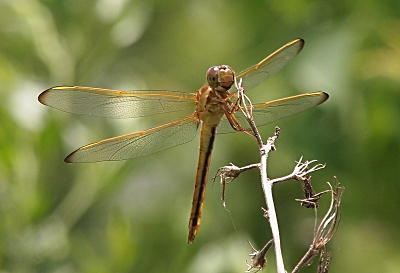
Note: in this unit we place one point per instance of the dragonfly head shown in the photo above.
(221, 77)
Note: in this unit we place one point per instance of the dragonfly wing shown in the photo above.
(264, 113)
(257, 73)
(137, 144)
(114, 103)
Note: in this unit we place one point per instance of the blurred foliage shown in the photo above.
(132, 216)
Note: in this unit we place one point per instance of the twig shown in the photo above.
(324, 261)
(311, 198)
(258, 259)
(325, 231)
(230, 173)
(266, 183)
(301, 172)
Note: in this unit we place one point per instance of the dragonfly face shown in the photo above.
(212, 107)
(221, 76)
(212, 98)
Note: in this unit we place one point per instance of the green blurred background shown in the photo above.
(132, 216)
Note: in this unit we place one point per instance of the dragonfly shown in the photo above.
(215, 111)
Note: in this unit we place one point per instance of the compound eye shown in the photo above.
(212, 76)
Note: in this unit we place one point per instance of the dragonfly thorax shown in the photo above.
(209, 105)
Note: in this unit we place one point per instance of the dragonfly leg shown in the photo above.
(236, 124)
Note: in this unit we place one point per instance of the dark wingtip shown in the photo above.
(41, 97)
(300, 40)
(69, 158)
(326, 97)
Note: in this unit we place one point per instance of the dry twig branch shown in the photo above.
(324, 232)
(301, 172)
(266, 183)
(258, 259)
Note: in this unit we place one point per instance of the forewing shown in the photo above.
(114, 103)
(259, 72)
(264, 113)
(137, 144)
